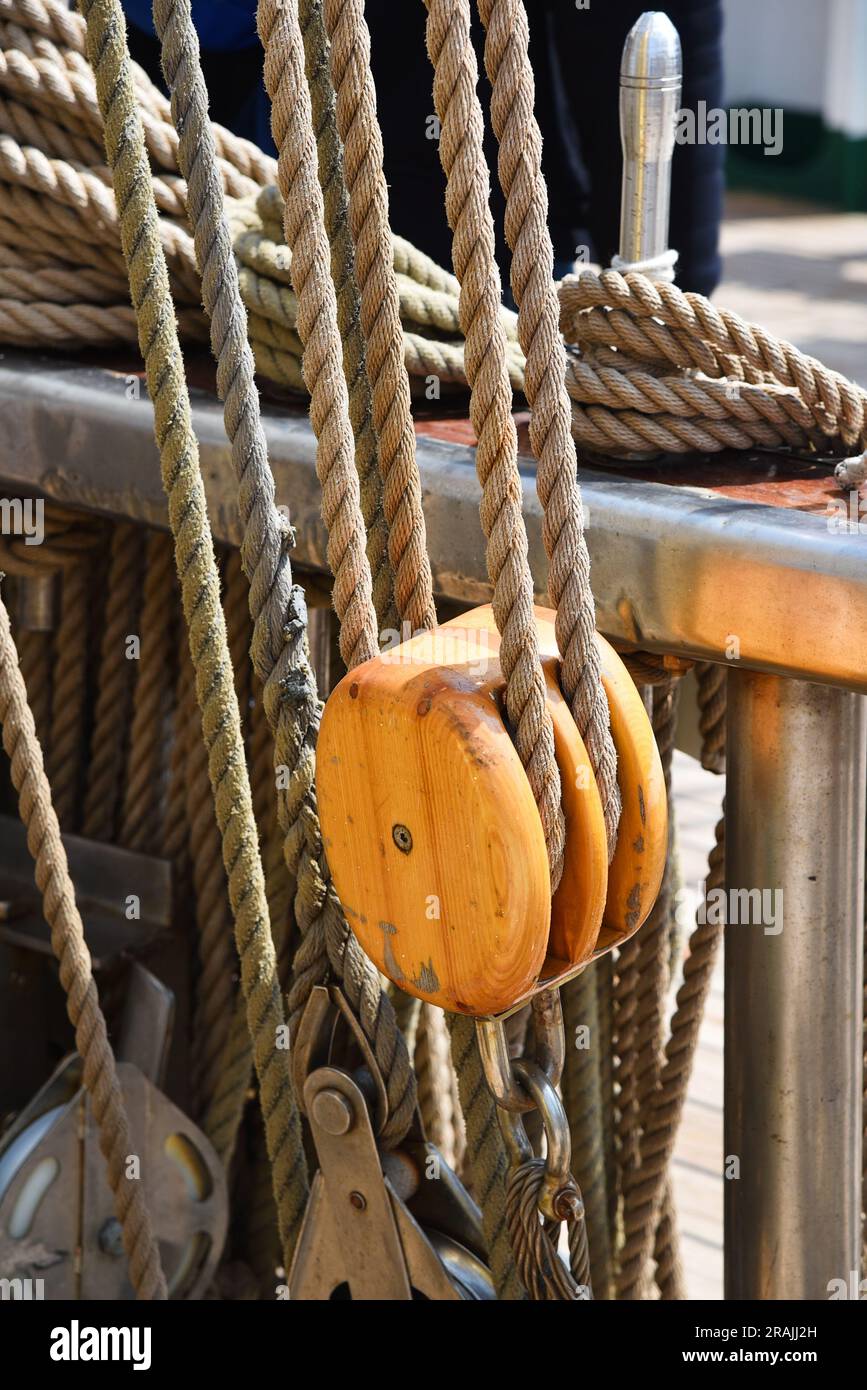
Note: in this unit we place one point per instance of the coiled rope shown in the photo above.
(648, 367)
(660, 369)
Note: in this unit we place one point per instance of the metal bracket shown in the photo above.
(359, 1239)
(327, 1033)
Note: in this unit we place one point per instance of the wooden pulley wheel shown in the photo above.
(433, 837)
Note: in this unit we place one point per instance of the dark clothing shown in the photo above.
(576, 60)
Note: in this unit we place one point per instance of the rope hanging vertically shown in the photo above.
(335, 200)
(468, 211)
(76, 975)
(380, 315)
(124, 139)
(507, 62)
(279, 648)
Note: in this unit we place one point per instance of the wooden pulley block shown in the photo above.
(433, 838)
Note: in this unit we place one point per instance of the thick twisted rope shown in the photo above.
(380, 319)
(581, 1087)
(175, 822)
(648, 956)
(711, 679)
(669, 1275)
(291, 121)
(322, 366)
(76, 976)
(463, 160)
(647, 1224)
(280, 885)
(69, 692)
(67, 29)
(711, 682)
(688, 376)
(507, 62)
(335, 199)
(37, 670)
(143, 779)
(703, 381)
(433, 1070)
(486, 1157)
(276, 605)
(214, 990)
(657, 1144)
(222, 1053)
(113, 704)
(109, 57)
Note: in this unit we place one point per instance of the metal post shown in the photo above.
(794, 823)
(649, 96)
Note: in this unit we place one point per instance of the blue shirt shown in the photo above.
(222, 25)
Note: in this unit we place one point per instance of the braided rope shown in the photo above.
(67, 942)
(107, 51)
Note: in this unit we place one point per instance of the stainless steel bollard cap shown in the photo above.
(651, 54)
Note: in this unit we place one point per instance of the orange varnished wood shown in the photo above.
(635, 871)
(416, 740)
(577, 907)
(463, 918)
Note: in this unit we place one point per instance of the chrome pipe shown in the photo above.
(650, 85)
(793, 987)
